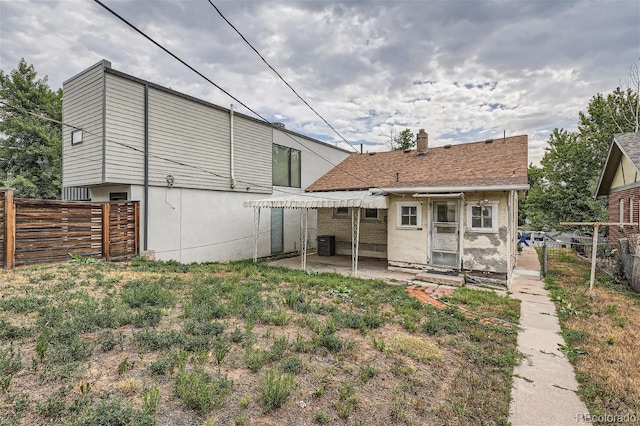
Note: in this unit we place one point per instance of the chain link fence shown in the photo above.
(554, 244)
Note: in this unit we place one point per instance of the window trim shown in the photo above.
(621, 213)
(494, 217)
(418, 207)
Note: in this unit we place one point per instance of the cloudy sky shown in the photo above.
(462, 70)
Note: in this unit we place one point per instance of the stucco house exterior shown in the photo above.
(452, 207)
(189, 162)
(620, 183)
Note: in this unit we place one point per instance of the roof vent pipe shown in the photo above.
(422, 142)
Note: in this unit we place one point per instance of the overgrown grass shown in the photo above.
(145, 342)
(598, 334)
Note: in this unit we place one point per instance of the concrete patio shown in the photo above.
(369, 267)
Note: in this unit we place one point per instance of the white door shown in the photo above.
(445, 234)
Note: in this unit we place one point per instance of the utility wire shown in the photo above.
(253, 184)
(62, 123)
(288, 85)
(224, 91)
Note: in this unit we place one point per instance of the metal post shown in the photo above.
(355, 239)
(594, 252)
(544, 256)
(256, 232)
(304, 225)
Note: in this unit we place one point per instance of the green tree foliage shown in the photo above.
(30, 146)
(562, 188)
(405, 140)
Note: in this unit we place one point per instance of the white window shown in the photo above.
(409, 215)
(621, 213)
(76, 137)
(482, 217)
(370, 214)
(631, 209)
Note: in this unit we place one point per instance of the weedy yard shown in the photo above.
(236, 344)
(602, 335)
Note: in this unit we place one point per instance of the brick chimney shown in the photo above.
(422, 142)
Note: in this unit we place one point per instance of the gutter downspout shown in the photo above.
(146, 168)
(231, 147)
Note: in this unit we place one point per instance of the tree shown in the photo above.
(404, 140)
(562, 188)
(565, 183)
(30, 143)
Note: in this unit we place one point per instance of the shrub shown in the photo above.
(54, 406)
(199, 327)
(10, 363)
(201, 391)
(255, 358)
(275, 388)
(150, 399)
(163, 364)
(107, 340)
(278, 348)
(220, 349)
(368, 372)
(292, 365)
(148, 316)
(204, 304)
(139, 293)
(114, 411)
(321, 418)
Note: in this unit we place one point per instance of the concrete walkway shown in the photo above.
(544, 384)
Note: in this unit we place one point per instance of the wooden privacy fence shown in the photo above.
(42, 231)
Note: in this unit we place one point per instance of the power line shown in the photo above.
(253, 184)
(289, 86)
(224, 91)
(62, 123)
(280, 76)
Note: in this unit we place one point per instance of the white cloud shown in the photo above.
(461, 70)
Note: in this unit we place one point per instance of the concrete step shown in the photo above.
(454, 280)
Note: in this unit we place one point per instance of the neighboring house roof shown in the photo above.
(498, 163)
(627, 144)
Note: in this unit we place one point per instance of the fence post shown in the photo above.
(136, 227)
(106, 227)
(9, 229)
(544, 256)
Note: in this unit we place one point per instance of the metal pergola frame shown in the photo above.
(356, 200)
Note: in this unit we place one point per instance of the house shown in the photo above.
(452, 207)
(190, 163)
(620, 183)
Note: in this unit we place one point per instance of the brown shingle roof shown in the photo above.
(502, 162)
